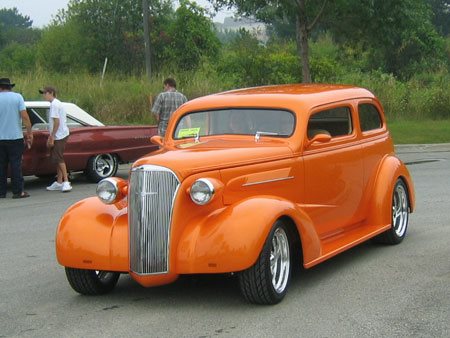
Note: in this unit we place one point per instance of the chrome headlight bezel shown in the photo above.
(202, 191)
(108, 190)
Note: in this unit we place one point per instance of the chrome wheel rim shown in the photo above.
(279, 260)
(104, 165)
(400, 210)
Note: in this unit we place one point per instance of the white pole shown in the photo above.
(104, 70)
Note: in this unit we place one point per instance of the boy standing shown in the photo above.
(56, 142)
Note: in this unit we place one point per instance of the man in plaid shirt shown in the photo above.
(166, 103)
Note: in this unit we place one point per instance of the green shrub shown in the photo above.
(16, 58)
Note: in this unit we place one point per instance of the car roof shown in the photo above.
(291, 96)
(71, 109)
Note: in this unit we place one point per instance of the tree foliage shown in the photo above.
(441, 16)
(112, 29)
(191, 37)
(100, 29)
(16, 28)
(305, 14)
(61, 49)
(12, 19)
(399, 34)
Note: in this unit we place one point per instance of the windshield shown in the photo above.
(236, 122)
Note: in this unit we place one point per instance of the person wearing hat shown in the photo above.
(12, 114)
(57, 139)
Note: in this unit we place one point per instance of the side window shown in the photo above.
(335, 121)
(369, 117)
(72, 123)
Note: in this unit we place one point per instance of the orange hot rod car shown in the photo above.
(247, 182)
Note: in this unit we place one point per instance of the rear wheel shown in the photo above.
(266, 282)
(400, 216)
(92, 282)
(101, 166)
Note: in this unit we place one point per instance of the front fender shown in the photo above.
(232, 238)
(391, 168)
(92, 235)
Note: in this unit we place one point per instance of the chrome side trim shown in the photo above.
(269, 181)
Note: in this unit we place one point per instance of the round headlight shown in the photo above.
(202, 191)
(107, 190)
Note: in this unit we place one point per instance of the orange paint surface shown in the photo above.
(335, 192)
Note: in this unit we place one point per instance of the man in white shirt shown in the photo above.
(56, 142)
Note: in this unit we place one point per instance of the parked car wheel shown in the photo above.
(400, 216)
(266, 282)
(101, 166)
(91, 282)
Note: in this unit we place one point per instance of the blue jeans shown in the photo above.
(11, 152)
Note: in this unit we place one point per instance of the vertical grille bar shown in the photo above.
(151, 196)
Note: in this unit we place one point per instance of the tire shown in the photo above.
(91, 282)
(267, 281)
(400, 216)
(101, 166)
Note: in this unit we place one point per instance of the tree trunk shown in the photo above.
(148, 64)
(301, 30)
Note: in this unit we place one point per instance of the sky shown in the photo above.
(41, 11)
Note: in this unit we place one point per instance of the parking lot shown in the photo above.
(370, 291)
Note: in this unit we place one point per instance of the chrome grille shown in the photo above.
(151, 196)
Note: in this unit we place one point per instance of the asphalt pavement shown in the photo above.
(369, 291)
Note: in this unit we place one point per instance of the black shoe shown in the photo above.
(23, 194)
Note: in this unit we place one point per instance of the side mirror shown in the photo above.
(320, 138)
(158, 140)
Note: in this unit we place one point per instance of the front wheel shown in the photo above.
(266, 282)
(101, 166)
(92, 282)
(400, 216)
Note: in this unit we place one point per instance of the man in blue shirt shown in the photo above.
(12, 114)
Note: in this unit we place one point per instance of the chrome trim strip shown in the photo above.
(269, 181)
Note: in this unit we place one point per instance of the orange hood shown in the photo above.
(189, 158)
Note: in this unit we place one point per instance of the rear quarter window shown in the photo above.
(369, 117)
(334, 121)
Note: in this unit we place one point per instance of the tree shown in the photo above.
(399, 34)
(12, 19)
(305, 14)
(148, 57)
(441, 15)
(191, 36)
(16, 28)
(61, 49)
(114, 29)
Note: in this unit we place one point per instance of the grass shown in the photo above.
(416, 113)
(420, 132)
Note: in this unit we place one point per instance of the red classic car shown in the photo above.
(92, 147)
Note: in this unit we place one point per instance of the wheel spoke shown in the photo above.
(399, 210)
(279, 260)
